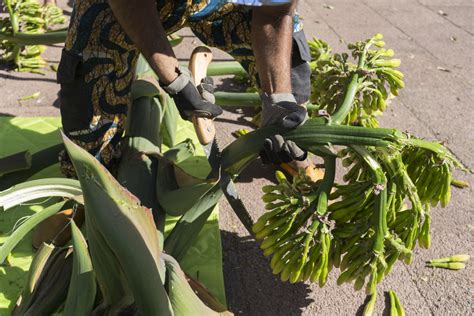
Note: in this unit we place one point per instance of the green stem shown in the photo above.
(381, 199)
(238, 99)
(12, 15)
(346, 105)
(245, 99)
(351, 91)
(434, 147)
(223, 68)
(23, 39)
(239, 153)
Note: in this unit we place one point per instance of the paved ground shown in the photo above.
(428, 35)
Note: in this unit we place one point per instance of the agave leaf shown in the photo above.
(139, 162)
(109, 274)
(190, 224)
(169, 193)
(142, 67)
(36, 189)
(82, 289)
(181, 152)
(146, 87)
(127, 227)
(15, 162)
(205, 296)
(39, 161)
(183, 299)
(51, 288)
(170, 119)
(171, 196)
(36, 268)
(26, 227)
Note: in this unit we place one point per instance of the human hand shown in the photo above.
(191, 100)
(281, 110)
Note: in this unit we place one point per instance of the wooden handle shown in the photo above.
(200, 59)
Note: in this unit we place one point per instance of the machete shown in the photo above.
(201, 57)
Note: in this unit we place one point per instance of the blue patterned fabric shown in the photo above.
(213, 5)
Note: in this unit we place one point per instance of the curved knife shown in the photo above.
(201, 57)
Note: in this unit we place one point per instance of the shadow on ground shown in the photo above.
(247, 271)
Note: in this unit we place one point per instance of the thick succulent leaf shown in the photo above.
(36, 268)
(19, 233)
(15, 162)
(109, 274)
(51, 288)
(139, 162)
(169, 193)
(127, 227)
(190, 224)
(205, 296)
(183, 299)
(144, 88)
(171, 196)
(37, 189)
(170, 120)
(82, 289)
(181, 152)
(39, 161)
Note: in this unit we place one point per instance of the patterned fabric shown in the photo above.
(259, 2)
(98, 62)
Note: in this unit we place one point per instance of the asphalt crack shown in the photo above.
(444, 17)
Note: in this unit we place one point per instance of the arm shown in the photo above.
(272, 31)
(145, 29)
(272, 40)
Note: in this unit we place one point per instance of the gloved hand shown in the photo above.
(189, 101)
(282, 110)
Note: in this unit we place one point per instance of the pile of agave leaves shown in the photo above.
(119, 260)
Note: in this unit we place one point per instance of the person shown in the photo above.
(105, 38)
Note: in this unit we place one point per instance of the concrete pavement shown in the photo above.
(435, 104)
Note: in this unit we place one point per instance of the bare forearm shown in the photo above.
(272, 30)
(142, 24)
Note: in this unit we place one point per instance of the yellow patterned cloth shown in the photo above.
(98, 62)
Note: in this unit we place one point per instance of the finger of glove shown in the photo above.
(264, 158)
(270, 155)
(210, 108)
(277, 150)
(296, 152)
(208, 96)
(207, 84)
(206, 89)
(294, 119)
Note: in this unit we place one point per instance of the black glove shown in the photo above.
(277, 150)
(188, 99)
(281, 110)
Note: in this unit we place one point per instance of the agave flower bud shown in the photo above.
(380, 44)
(455, 258)
(378, 36)
(448, 265)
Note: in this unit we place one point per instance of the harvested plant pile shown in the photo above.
(362, 226)
(391, 179)
(25, 20)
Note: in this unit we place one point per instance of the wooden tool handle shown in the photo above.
(201, 57)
